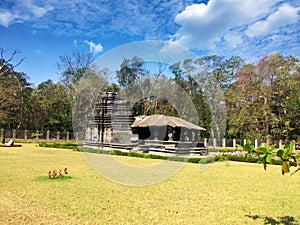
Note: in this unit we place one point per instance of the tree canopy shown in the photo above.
(257, 100)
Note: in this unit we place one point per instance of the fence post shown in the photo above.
(280, 144)
(25, 134)
(48, 135)
(294, 147)
(2, 134)
(57, 135)
(68, 136)
(234, 143)
(76, 136)
(245, 141)
(37, 134)
(255, 143)
(14, 134)
(223, 143)
(214, 142)
(205, 141)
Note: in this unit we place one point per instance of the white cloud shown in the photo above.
(233, 39)
(6, 18)
(147, 19)
(94, 48)
(39, 11)
(283, 16)
(22, 11)
(202, 26)
(225, 27)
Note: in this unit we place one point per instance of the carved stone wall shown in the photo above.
(111, 121)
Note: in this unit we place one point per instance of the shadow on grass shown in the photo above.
(46, 178)
(287, 220)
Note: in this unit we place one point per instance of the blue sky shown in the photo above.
(45, 30)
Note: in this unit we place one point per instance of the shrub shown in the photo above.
(178, 159)
(66, 145)
(206, 160)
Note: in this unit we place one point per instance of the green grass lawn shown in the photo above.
(225, 193)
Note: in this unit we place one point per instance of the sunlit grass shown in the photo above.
(224, 193)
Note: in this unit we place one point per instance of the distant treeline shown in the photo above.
(261, 100)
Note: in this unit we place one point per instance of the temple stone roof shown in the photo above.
(162, 120)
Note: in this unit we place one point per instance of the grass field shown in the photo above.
(225, 193)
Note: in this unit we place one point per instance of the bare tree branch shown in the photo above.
(8, 64)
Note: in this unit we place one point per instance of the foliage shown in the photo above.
(67, 145)
(287, 156)
(34, 135)
(73, 67)
(247, 147)
(262, 99)
(50, 107)
(14, 89)
(122, 153)
(267, 154)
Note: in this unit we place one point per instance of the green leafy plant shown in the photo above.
(247, 147)
(288, 158)
(267, 154)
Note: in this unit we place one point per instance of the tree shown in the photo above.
(263, 99)
(14, 88)
(187, 75)
(73, 67)
(8, 64)
(51, 107)
(138, 84)
(88, 91)
(205, 79)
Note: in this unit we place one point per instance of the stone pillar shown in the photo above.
(214, 142)
(25, 134)
(76, 136)
(190, 135)
(294, 147)
(48, 135)
(68, 136)
(223, 143)
(196, 136)
(108, 135)
(280, 144)
(255, 143)
(205, 141)
(14, 134)
(234, 142)
(37, 134)
(95, 135)
(245, 141)
(2, 134)
(88, 134)
(57, 135)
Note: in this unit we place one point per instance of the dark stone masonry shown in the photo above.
(110, 127)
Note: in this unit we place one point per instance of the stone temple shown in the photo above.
(112, 126)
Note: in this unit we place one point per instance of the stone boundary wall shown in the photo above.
(69, 136)
(38, 135)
